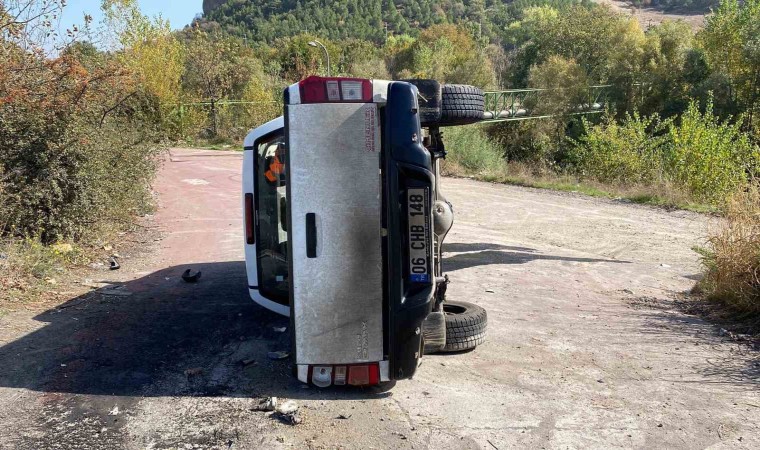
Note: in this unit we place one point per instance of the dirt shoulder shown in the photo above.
(586, 347)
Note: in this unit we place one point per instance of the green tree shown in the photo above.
(670, 69)
(447, 53)
(731, 40)
(216, 68)
(150, 51)
(709, 158)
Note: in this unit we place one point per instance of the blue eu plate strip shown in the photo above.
(415, 278)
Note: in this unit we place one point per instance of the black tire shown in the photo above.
(461, 104)
(465, 326)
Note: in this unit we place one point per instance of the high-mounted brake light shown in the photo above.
(338, 90)
(250, 238)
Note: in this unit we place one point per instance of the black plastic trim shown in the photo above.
(311, 235)
(407, 165)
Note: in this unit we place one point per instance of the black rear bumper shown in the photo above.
(407, 165)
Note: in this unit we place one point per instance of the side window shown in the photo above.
(271, 202)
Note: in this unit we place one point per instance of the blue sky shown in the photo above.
(179, 12)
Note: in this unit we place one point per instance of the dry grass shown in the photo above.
(732, 260)
(521, 174)
(29, 271)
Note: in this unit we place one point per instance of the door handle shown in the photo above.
(311, 235)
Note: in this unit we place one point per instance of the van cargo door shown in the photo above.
(335, 208)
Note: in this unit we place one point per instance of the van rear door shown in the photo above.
(333, 134)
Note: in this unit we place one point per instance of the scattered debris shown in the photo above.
(268, 404)
(287, 408)
(114, 411)
(491, 443)
(289, 419)
(194, 372)
(108, 247)
(114, 264)
(490, 291)
(286, 412)
(277, 356)
(628, 291)
(248, 362)
(663, 265)
(343, 417)
(280, 329)
(190, 277)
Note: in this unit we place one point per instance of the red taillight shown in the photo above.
(339, 90)
(368, 375)
(250, 237)
(358, 375)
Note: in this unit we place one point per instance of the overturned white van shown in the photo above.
(344, 223)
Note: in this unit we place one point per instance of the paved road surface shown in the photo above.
(585, 347)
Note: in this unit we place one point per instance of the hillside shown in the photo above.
(267, 20)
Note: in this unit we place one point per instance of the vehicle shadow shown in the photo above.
(458, 247)
(159, 336)
(521, 256)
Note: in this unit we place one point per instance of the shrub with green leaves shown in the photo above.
(472, 150)
(709, 158)
(627, 153)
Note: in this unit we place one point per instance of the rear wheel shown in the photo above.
(465, 326)
(461, 104)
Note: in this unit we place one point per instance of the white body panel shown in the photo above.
(380, 96)
(334, 162)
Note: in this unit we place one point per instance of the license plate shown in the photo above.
(419, 235)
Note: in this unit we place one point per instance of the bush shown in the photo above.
(701, 156)
(626, 153)
(77, 152)
(470, 151)
(733, 258)
(710, 159)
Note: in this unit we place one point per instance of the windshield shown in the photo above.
(271, 201)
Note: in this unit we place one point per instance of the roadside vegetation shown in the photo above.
(85, 112)
(733, 258)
